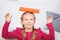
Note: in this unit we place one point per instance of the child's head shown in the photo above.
(28, 19)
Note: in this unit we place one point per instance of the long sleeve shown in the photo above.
(6, 34)
(51, 31)
(51, 35)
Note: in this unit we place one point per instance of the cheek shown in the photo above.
(24, 22)
(33, 22)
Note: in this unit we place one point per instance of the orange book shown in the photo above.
(29, 10)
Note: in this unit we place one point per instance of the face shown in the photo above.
(28, 20)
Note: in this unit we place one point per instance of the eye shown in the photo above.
(26, 19)
(31, 19)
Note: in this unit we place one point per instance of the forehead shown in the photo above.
(28, 15)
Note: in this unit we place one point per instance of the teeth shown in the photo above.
(29, 24)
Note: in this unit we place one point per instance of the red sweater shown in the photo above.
(18, 33)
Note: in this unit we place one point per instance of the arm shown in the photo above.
(50, 27)
(7, 34)
(51, 31)
(51, 35)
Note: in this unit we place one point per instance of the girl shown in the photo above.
(28, 32)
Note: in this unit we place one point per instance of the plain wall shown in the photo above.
(12, 7)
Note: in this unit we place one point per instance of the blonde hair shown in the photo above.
(26, 13)
(23, 31)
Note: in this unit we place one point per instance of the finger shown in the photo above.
(7, 14)
(50, 17)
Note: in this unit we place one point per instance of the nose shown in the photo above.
(29, 21)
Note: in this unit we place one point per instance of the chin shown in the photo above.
(29, 27)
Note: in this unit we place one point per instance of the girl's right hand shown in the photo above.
(8, 17)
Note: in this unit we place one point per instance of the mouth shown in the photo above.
(29, 24)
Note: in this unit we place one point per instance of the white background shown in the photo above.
(12, 7)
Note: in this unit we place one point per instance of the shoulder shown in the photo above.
(19, 29)
(38, 30)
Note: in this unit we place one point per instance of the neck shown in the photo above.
(28, 29)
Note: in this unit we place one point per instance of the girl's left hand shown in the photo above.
(49, 19)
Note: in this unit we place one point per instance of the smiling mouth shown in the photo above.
(29, 24)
